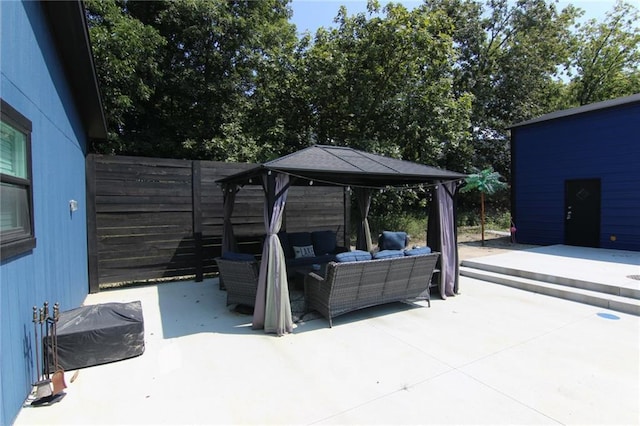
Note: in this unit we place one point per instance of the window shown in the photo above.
(16, 201)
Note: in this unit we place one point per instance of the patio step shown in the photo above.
(600, 287)
(604, 299)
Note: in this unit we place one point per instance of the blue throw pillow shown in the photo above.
(306, 251)
(387, 254)
(244, 257)
(353, 256)
(324, 242)
(393, 240)
(417, 250)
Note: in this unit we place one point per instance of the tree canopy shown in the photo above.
(606, 60)
(438, 84)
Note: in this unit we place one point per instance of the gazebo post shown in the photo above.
(363, 195)
(228, 201)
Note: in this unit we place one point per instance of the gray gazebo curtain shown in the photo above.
(229, 198)
(441, 236)
(363, 196)
(272, 308)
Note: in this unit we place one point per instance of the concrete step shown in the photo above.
(607, 288)
(614, 302)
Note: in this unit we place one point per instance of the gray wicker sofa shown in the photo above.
(348, 286)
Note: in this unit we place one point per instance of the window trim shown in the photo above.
(13, 248)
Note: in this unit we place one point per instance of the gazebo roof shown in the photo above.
(335, 165)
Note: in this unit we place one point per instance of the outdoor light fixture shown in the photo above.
(73, 205)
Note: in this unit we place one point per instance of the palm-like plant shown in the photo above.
(487, 182)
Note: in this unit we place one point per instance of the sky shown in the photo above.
(313, 14)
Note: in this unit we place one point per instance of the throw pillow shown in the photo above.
(353, 256)
(393, 240)
(305, 251)
(324, 242)
(387, 254)
(417, 250)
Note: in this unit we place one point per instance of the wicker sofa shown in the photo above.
(348, 286)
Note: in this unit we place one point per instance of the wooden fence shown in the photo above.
(152, 218)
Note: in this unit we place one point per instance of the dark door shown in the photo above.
(582, 212)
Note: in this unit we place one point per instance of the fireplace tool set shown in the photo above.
(49, 386)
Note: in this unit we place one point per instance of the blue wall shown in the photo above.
(32, 81)
(602, 144)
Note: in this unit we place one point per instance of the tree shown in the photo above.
(216, 64)
(193, 78)
(381, 81)
(487, 182)
(126, 64)
(607, 57)
(510, 54)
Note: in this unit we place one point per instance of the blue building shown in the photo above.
(50, 111)
(576, 176)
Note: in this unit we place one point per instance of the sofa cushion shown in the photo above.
(387, 254)
(417, 250)
(304, 261)
(324, 242)
(392, 240)
(303, 251)
(353, 256)
(230, 255)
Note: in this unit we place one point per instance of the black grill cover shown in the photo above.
(97, 334)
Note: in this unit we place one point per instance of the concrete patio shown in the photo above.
(492, 355)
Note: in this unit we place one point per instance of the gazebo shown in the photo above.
(364, 173)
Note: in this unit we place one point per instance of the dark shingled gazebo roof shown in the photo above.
(334, 165)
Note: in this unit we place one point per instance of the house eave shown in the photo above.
(68, 25)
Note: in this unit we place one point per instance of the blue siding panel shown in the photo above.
(33, 82)
(603, 144)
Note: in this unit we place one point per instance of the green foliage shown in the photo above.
(219, 66)
(439, 84)
(383, 83)
(125, 56)
(499, 220)
(414, 225)
(486, 181)
(607, 57)
(509, 56)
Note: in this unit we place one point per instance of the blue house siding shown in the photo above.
(599, 144)
(32, 81)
